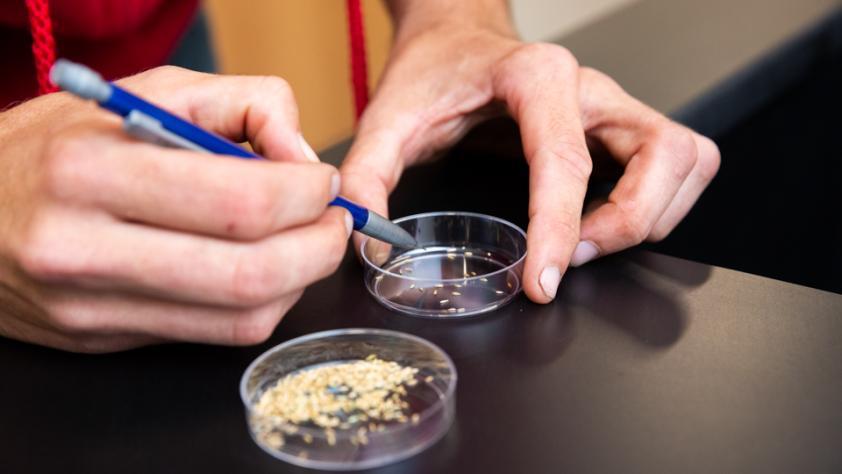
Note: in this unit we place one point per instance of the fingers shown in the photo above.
(182, 267)
(664, 175)
(186, 191)
(260, 109)
(85, 343)
(90, 314)
(539, 83)
(707, 165)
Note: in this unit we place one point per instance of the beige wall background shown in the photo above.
(538, 20)
(306, 43)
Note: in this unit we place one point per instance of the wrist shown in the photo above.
(411, 18)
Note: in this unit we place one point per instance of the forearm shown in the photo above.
(412, 17)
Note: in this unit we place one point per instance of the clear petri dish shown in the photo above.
(465, 264)
(428, 412)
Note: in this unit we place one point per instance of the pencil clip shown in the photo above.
(147, 129)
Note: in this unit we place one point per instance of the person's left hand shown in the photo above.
(444, 80)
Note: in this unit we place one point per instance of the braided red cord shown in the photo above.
(43, 43)
(359, 73)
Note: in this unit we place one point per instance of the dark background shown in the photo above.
(775, 208)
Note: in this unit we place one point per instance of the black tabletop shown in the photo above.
(644, 363)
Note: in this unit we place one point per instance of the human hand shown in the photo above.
(107, 243)
(442, 79)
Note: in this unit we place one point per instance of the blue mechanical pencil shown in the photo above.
(150, 123)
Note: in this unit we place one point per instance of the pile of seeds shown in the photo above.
(360, 394)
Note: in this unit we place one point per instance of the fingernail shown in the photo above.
(349, 223)
(307, 149)
(335, 184)
(584, 253)
(549, 280)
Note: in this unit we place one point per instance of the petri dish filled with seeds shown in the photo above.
(349, 399)
(465, 264)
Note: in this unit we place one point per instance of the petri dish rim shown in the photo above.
(447, 280)
(428, 412)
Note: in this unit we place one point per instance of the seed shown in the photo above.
(435, 292)
(439, 285)
(473, 273)
(484, 280)
(428, 379)
(460, 310)
(340, 395)
(499, 292)
(451, 310)
(275, 440)
(469, 254)
(444, 301)
(412, 286)
(451, 256)
(456, 293)
(420, 289)
(415, 418)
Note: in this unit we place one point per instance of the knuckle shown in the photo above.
(632, 229)
(41, 256)
(276, 86)
(548, 53)
(250, 211)
(596, 82)
(253, 279)
(255, 326)
(589, 73)
(574, 159)
(169, 72)
(680, 146)
(65, 158)
(72, 319)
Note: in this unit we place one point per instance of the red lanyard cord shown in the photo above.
(43, 43)
(44, 49)
(359, 73)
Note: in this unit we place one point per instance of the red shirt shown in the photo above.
(115, 37)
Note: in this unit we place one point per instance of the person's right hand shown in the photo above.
(107, 243)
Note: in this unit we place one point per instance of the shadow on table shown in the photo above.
(628, 292)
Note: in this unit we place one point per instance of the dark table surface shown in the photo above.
(644, 363)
